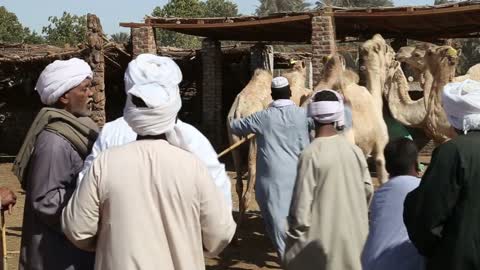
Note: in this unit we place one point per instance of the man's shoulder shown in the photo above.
(50, 142)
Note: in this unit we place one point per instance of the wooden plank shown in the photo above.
(260, 22)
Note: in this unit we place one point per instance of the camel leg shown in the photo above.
(382, 173)
(252, 171)
(239, 185)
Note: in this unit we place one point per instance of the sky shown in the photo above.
(34, 13)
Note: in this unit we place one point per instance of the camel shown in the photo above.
(426, 113)
(255, 97)
(369, 131)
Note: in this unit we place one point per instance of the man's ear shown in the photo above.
(64, 100)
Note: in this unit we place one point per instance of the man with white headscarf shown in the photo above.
(183, 135)
(149, 204)
(281, 133)
(49, 161)
(328, 220)
(441, 215)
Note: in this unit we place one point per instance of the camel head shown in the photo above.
(442, 61)
(333, 68)
(376, 59)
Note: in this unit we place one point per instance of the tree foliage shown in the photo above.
(68, 29)
(120, 37)
(439, 2)
(217, 8)
(12, 31)
(190, 9)
(354, 3)
(273, 6)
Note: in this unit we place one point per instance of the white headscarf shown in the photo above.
(461, 102)
(155, 80)
(60, 77)
(327, 111)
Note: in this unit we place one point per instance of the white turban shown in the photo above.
(60, 77)
(154, 79)
(461, 102)
(327, 111)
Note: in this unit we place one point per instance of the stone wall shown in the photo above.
(96, 60)
(143, 41)
(323, 42)
(212, 66)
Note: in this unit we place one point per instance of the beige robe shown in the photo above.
(328, 221)
(148, 205)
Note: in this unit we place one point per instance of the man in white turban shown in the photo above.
(149, 203)
(441, 215)
(153, 80)
(328, 220)
(49, 161)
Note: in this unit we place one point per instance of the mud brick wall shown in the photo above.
(323, 43)
(212, 85)
(143, 41)
(96, 60)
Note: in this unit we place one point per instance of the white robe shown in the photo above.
(148, 205)
(118, 133)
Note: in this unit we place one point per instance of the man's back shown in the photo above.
(158, 208)
(441, 215)
(388, 245)
(328, 222)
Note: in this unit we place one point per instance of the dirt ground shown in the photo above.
(252, 250)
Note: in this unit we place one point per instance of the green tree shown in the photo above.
(33, 38)
(219, 8)
(190, 9)
(354, 3)
(12, 31)
(439, 2)
(68, 29)
(120, 37)
(273, 6)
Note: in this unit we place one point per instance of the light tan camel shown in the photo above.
(426, 113)
(369, 130)
(255, 97)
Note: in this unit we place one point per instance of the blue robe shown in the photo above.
(388, 245)
(281, 134)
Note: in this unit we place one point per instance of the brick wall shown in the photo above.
(212, 121)
(323, 42)
(143, 41)
(96, 60)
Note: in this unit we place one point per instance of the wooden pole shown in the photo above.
(4, 242)
(235, 145)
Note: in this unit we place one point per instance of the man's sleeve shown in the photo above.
(216, 218)
(81, 216)
(427, 208)
(247, 125)
(299, 218)
(97, 148)
(53, 169)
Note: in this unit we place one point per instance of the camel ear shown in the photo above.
(459, 52)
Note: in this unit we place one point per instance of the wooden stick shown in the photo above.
(235, 145)
(4, 242)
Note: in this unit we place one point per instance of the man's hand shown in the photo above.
(8, 199)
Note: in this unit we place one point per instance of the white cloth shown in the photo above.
(279, 103)
(327, 111)
(187, 137)
(155, 80)
(60, 77)
(461, 102)
(279, 82)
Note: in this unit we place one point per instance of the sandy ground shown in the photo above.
(252, 250)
